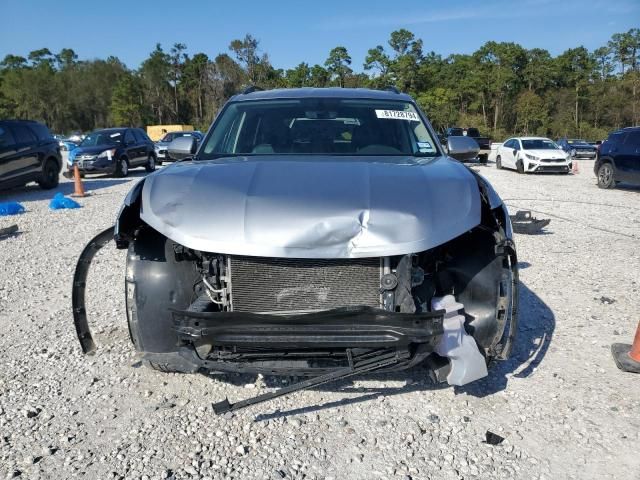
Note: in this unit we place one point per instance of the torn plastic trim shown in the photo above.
(79, 289)
(467, 363)
(128, 219)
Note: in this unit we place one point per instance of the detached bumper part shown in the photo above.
(467, 363)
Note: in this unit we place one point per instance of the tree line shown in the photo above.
(502, 88)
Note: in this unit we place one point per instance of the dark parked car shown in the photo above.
(578, 148)
(318, 232)
(28, 152)
(619, 158)
(114, 151)
(163, 143)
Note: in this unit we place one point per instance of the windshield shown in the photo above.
(103, 137)
(539, 144)
(319, 126)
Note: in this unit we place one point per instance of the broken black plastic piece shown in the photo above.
(493, 438)
(79, 287)
(10, 230)
(523, 222)
(362, 364)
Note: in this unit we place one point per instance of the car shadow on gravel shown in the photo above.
(33, 192)
(535, 331)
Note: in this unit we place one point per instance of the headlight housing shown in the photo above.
(108, 153)
(532, 157)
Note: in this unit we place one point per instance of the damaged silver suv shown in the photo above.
(315, 232)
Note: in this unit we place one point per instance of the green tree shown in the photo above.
(127, 102)
(338, 64)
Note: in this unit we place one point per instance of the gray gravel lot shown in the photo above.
(564, 408)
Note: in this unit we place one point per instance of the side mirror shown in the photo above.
(462, 148)
(182, 147)
(515, 152)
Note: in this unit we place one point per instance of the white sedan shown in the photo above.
(532, 154)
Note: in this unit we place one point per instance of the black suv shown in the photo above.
(114, 151)
(619, 158)
(28, 152)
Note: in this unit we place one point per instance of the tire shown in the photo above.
(606, 176)
(150, 166)
(155, 283)
(520, 166)
(50, 175)
(122, 167)
(499, 162)
(484, 159)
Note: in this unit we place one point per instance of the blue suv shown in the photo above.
(619, 158)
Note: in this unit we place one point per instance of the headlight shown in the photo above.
(108, 153)
(532, 157)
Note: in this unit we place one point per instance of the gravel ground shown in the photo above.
(561, 404)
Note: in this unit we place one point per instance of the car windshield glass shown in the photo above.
(104, 137)
(456, 132)
(539, 144)
(319, 126)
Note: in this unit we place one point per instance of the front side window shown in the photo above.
(539, 144)
(320, 126)
(102, 137)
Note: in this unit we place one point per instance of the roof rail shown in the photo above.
(250, 89)
(391, 88)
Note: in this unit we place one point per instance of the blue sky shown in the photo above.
(295, 31)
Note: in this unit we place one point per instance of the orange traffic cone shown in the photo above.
(627, 357)
(574, 166)
(78, 190)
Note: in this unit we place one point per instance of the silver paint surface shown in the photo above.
(312, 206)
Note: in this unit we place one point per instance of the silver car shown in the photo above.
(161, 145)
(317, 232)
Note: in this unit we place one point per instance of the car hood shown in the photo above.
(327, 207)
(161, 144)
(557, 154)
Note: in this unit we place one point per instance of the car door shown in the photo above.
(628, 159)
(26, 161)
(7, 154)
(133, 148)
(145, 142)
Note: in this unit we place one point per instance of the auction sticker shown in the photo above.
(397, 115)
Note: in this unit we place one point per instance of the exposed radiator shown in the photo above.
(297, 285)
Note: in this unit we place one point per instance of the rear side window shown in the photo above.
(138, 134)
(615, 137)
(41, 131)
(633, 139)
(23, 134)
(144, 136)
(129, 138)
(6, 139)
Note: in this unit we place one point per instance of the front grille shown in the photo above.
(301, 285)
(553, 168)
(548, 160)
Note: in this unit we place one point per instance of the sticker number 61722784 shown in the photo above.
(397, 115)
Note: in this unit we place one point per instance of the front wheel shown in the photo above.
(50, 178)
(122, 168)
(606, 176)
(151, 164)
(499, 162)
(520, 166)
